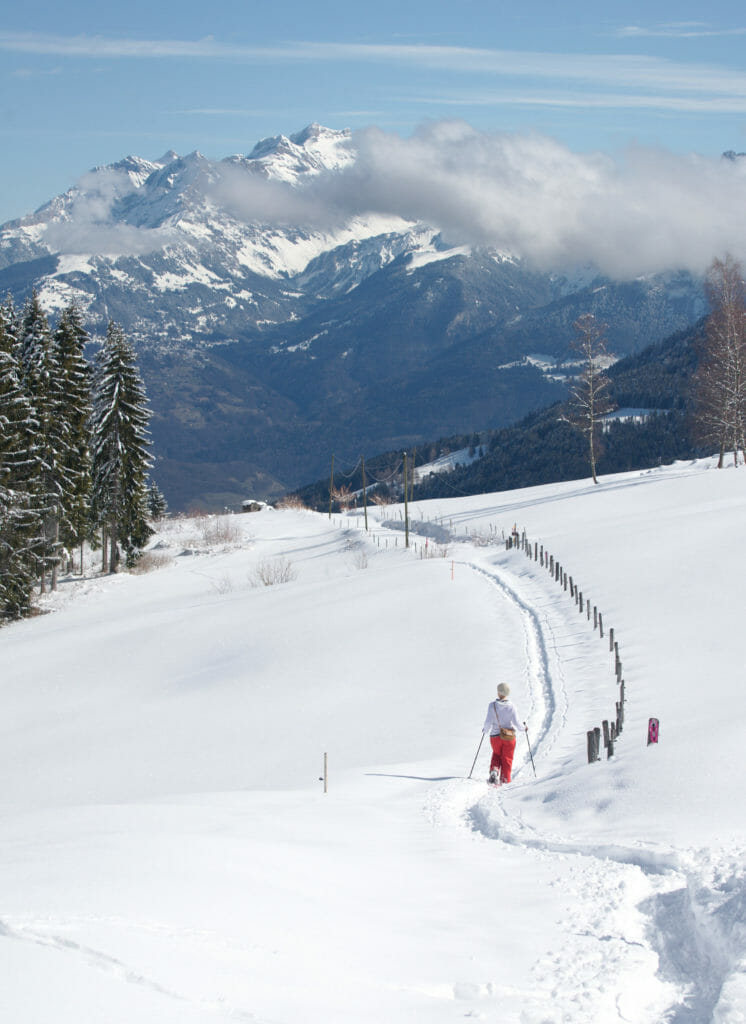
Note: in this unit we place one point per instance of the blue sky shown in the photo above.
(85, 83)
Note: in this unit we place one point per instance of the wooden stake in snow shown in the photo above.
(406, 505)
(331, 488)
(365, 493)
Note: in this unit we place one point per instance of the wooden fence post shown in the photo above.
(593, 752)
(611, 730)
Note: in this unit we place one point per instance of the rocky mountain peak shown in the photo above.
(311, 151)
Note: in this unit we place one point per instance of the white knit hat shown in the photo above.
(503, 690)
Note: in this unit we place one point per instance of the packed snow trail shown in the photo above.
(543, 669)
(691, 913)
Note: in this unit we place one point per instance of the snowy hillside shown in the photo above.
(169, 854)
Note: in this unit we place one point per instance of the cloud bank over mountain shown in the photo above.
(647, 211)
(642, 212)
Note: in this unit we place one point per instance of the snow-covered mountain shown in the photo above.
(265, 307)
(186, 251)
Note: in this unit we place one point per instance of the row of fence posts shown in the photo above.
(425, 549)
(610, 728)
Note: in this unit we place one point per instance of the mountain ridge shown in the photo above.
(272, 328)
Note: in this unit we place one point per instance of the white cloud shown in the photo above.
(96, 238)
(678, 30)
(35, 72)
(648, 211)
(91, 227)
(590, 100)
(619, 70)
(223, 112)
(275, 203)
(517, 78)
(100, 46)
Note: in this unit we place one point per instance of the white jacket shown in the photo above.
(507, 717)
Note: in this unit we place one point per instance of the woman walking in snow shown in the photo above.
(501, 725)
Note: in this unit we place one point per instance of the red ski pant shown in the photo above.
(502, 757)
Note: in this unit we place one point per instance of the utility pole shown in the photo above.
(331, 488)
(365, 497)
(406, 506)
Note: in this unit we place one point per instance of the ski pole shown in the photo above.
(529, 750)
(477, 754)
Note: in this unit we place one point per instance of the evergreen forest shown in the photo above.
(74, 452)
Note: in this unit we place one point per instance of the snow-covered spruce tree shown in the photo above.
(157, 504)
(720, 379)
(20, 520)
(44, 386)
(119, 449)
(70, 339)
(11, 320)
(589, 400)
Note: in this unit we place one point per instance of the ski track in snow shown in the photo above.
(39, 933)
(694, 913)
(549, 699)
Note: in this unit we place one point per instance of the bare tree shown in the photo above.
(381, 498)
(344, 496)
(720, 380)
(589, 398)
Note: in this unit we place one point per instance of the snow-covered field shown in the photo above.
(168, 853)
